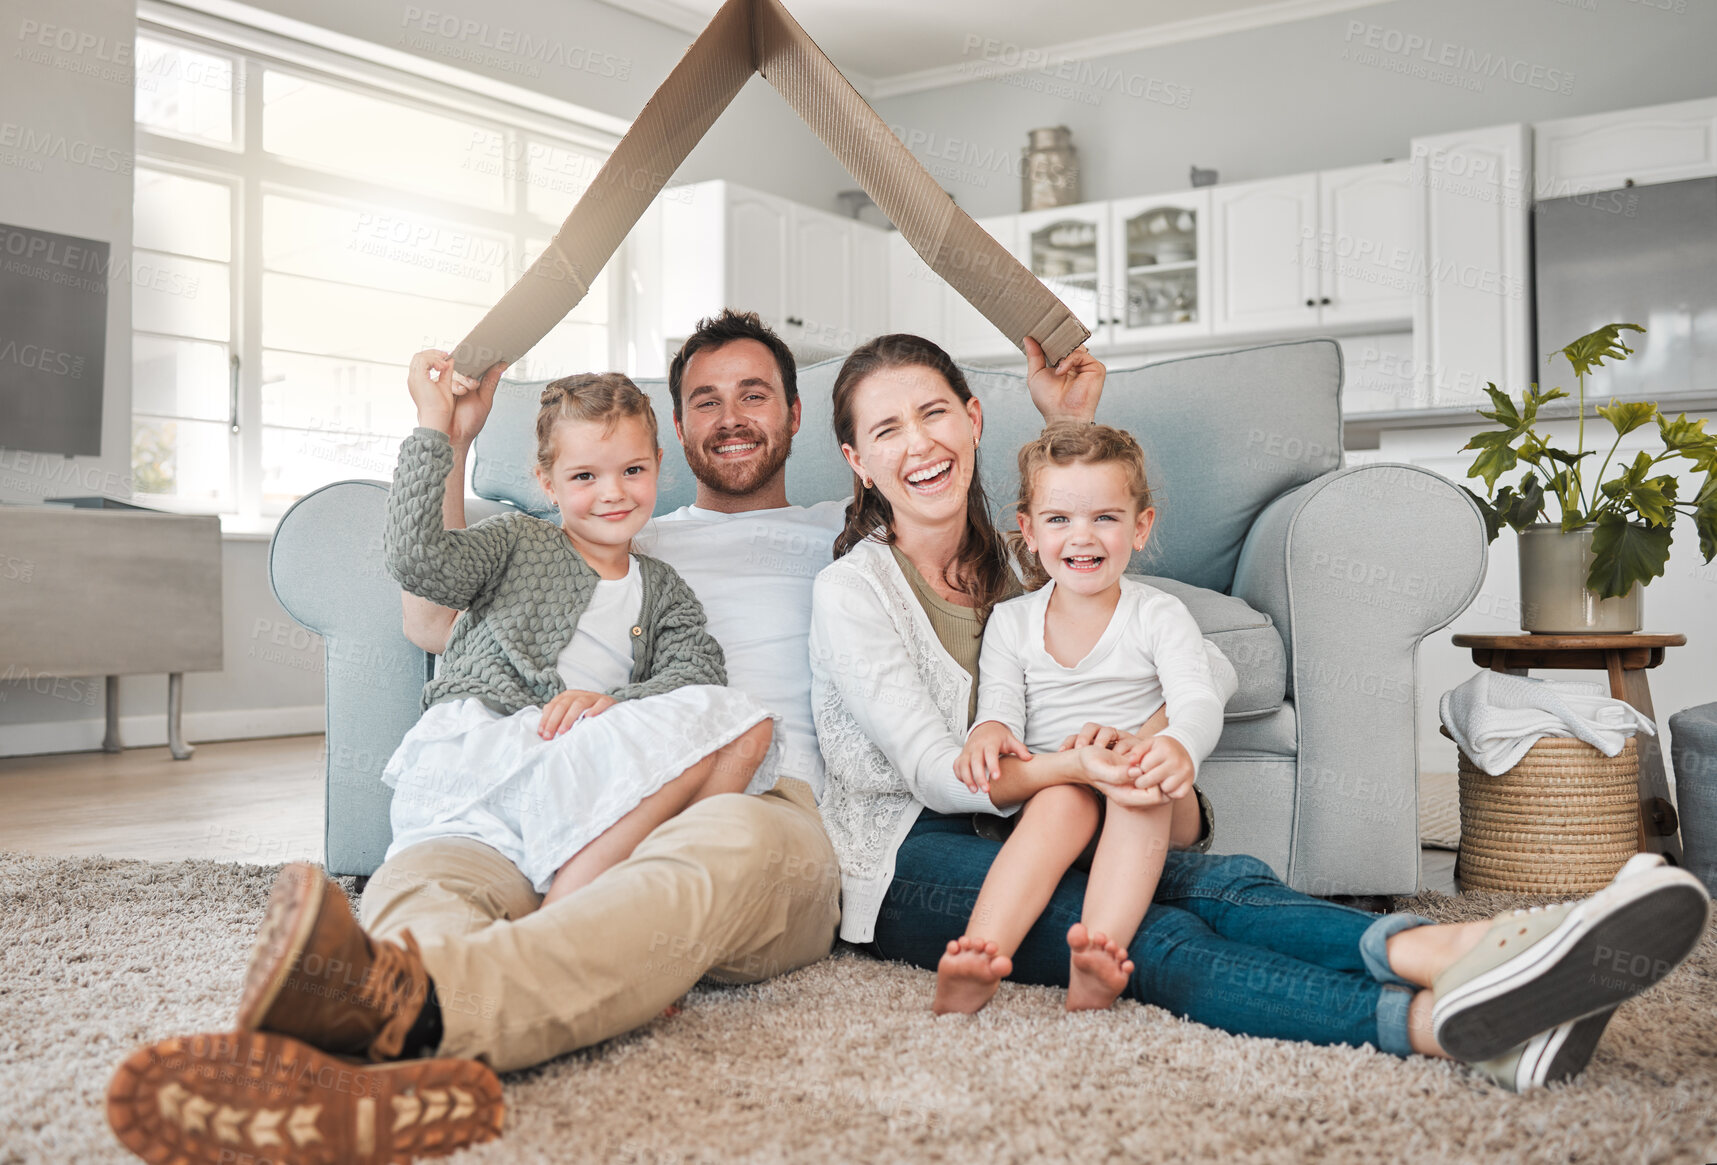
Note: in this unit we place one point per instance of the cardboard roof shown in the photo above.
(758, 36)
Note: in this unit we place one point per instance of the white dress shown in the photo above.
(465, 770)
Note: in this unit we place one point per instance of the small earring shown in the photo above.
(866, 481)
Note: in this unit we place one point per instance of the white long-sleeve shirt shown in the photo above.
(1151, 654)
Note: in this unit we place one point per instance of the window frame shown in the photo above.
(254, 174)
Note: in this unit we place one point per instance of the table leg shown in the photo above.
(176, 716)
(110, 742)
(1658, 824)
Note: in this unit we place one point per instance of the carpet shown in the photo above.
(841, 1061)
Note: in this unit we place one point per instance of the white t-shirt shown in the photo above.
(753, 572)
(599, 656)
(1151, 654)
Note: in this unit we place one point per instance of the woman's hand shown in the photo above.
(1070, 390)
(1101, 735)
(979, 762)
(562, 712)
(447, 401)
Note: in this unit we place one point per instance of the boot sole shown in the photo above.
(267, 1099)
(287, 923)
(1589, 965)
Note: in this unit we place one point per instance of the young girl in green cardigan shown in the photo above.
(579, 702)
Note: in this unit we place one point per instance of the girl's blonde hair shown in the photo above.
(1073, 443)
(590, 396)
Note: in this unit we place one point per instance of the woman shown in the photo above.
(895, 632)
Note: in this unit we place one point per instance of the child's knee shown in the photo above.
(1070, 806)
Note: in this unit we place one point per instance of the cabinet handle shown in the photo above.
(796, 321)
(1311, 303)
(232, 393)
(1324, 301)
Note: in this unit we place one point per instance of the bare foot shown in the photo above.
(1100, 970)
(968, 975)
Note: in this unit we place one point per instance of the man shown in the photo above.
(453, 958)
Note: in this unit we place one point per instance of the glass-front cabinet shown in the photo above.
(1065, 247)
(1160, 278)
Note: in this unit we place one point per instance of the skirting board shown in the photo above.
(150, 730)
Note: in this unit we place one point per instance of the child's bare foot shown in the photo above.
(968, 975)
(1100, 970)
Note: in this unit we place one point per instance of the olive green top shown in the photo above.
(958, 628)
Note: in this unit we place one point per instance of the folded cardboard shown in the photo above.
(758, 36)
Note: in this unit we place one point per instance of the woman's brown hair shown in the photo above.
(1073, 443)
(590, 396)
(980, 568)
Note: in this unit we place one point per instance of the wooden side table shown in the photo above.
(1626, 659)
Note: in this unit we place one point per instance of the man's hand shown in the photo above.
(562, 712)
(980, 762)
(448, 402)
(1069, 391)
(1164, 765)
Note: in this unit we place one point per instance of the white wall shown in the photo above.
(1289, 98)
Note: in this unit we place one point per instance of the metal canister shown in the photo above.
(1049, 171)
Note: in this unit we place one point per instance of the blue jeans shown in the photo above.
(1224, 943)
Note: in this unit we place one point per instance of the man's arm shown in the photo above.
(429, 624)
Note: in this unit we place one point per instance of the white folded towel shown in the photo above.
(1496, 717)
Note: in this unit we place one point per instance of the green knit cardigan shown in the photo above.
(523, 588)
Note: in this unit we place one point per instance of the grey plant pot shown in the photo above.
(1553, 594)
(1693, 750)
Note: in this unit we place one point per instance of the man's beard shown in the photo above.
(739, 479)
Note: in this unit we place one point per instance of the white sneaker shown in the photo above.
(1548, 1056)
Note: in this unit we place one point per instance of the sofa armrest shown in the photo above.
(1356, 567)
(327, 569)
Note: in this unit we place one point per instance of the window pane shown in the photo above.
(383, 141)
(555, 178)
(188, 460)
(182, 215)
(571, 347)
(183, 92)
(333, 319)
(296, 461)
(593, 308)
(184, 297)
(179, 378)
(318, 392)
(374, 247)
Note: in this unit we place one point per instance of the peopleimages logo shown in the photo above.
(1446, 62)
(537, 50)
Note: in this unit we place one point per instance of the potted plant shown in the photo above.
(1584, 572)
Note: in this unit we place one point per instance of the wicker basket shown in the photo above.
(1563, 820)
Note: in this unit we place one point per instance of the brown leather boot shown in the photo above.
(314, 973)
(261, 1098)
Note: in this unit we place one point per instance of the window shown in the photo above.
(299, 233)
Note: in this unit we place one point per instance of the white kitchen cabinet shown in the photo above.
(1632, 147)
(918, 299)
(1264, 264)
(970, 335)
(1159, 250)
(1472, 317)
(818, 279)
(1068, 249)
(1365, 265)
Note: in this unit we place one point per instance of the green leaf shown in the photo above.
(1591, 350)
(1684, 436)
(1705, 524)
(1526, 507)
(1505, 412)
(1628, 416)
(1625, 553)
(1492, 519)
(1567, 490)
(1495, 461)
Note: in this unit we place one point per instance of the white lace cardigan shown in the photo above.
(890, 708)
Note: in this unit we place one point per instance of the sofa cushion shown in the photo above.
(1246, 636)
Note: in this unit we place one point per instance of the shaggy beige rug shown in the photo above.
(841, 1061)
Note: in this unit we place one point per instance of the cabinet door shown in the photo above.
(1364, 251)
(1068, 249)
(1609, 151)
(758, 245)
(869, 292)
(918, 300)
(1265, 275)
(1159, 254)
(970, 335)
(819, 289)
(1472, 312)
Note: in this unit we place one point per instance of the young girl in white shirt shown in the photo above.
(1087, 645)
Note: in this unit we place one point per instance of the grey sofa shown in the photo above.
(1317, 581)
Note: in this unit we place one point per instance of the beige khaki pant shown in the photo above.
(740, 888)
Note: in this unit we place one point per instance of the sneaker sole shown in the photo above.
(1588, 965)
(287, 922)
(257, 1097)
(1568, 1054)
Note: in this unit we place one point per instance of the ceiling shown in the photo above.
(888, 47)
